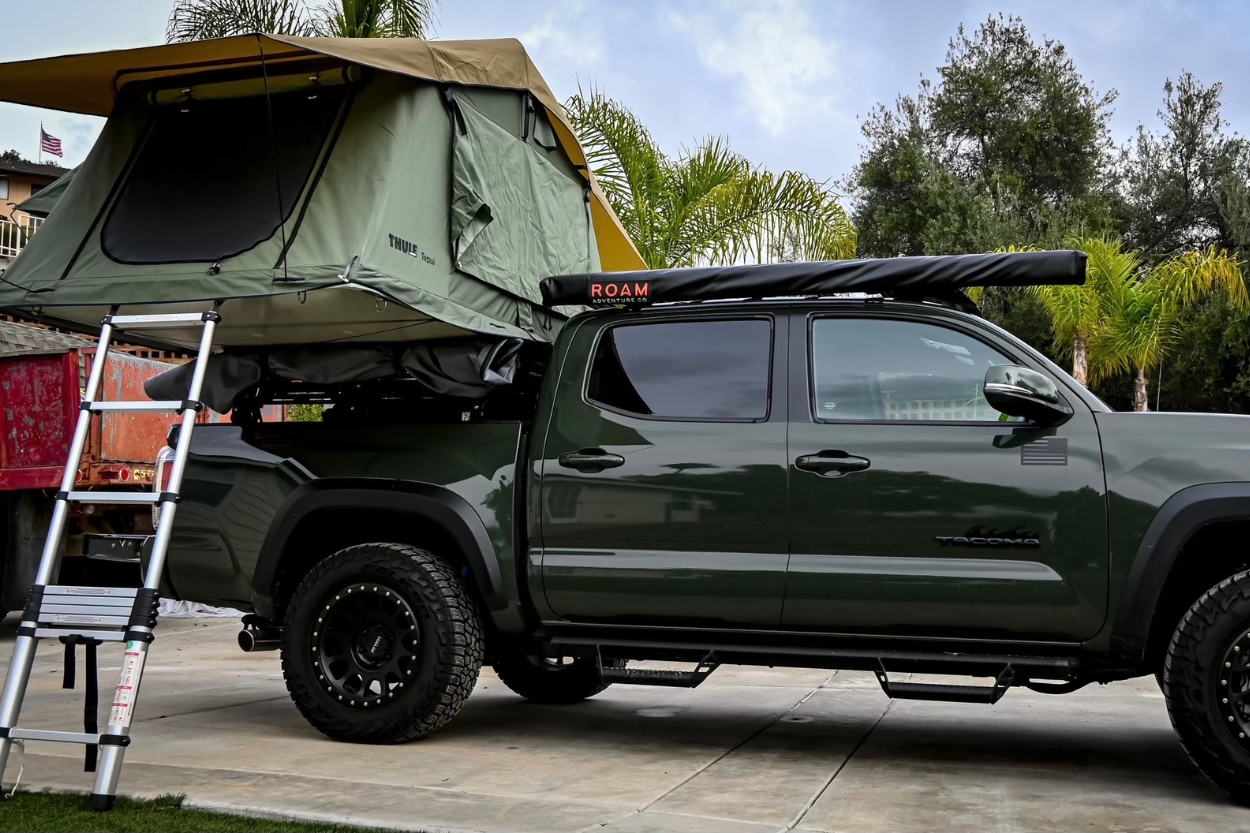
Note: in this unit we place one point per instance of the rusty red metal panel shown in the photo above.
(129, 438)
(38, 408)
(38, 477)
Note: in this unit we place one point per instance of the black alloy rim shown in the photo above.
(1234, 689)
(365, 645)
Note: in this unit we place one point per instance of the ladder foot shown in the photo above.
(102, 803)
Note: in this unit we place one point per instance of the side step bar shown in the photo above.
(659, 677)
(790, 656)
(986, 695)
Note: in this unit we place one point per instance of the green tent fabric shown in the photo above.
(515, 210)
(42, 203)
(345, 206)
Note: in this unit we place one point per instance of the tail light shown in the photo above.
(164, 467)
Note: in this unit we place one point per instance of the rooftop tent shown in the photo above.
(42, 203)
(326, 190)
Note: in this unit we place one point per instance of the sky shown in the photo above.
(788, 82)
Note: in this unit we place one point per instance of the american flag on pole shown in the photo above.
(49, 144)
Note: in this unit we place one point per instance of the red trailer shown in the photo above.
(42, 374)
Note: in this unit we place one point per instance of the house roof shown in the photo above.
(31, 169)
(20, 338)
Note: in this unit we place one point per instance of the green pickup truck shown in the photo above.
(882, 482)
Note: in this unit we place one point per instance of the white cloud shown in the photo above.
(564, 34)
(786, 71)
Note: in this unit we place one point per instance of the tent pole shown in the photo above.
(273, 153)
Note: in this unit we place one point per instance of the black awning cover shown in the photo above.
(912, 276)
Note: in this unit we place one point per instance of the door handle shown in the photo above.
(832, 463)
(590, 460)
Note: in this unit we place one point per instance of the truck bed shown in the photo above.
(240, 479)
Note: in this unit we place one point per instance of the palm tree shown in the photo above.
(708, 206)
(1076, 312)
(202, 19)
(1124, 318)
(1142, 313)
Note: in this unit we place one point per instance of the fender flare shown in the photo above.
(434, 504)
(1177, 520)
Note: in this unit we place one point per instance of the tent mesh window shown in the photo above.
(204, 187)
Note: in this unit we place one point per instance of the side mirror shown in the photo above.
(1020, 392)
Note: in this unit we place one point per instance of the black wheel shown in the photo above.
(381, 644)
(548, 680)
(1207, 685)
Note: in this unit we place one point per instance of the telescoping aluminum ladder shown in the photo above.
(93, 615)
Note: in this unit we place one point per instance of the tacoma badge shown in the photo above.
(982, 536)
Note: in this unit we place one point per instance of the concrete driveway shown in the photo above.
(750, 750)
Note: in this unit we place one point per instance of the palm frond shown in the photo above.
(201, 19)
(709, 205)
(193, 20)
(1189, 277)
(376, 19)
(410, 18)
(1138, 332)
(627, 162)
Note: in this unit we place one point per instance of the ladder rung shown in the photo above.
(55, 737)
(48, 611)
(163, 319)
(122, 603)
(57, 633)
(83, 619)
(113, 497)
(135, 407)
(130, 593)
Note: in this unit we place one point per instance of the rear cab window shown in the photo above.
(706, 370)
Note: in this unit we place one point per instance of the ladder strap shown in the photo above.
(91, 707)
(91, 697)
(71, 645)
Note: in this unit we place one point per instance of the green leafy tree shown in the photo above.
(1008, 146)
(202, 19)
(1207, 368)
(1186, 188)
(708, 205)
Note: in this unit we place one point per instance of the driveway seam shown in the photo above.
(725, 754)
(812, 803)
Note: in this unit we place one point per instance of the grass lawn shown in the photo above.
(69, 814)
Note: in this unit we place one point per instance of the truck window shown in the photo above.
(715, 371)
(882, 369)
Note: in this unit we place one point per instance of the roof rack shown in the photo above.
(902, 278)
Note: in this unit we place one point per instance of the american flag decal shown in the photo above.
(49, 144)
(1051, 451)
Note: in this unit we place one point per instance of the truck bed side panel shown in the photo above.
(238, 480)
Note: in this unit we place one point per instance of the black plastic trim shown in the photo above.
(1177, 520)
(101, 803)
(435, 504)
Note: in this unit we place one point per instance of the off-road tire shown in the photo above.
(446, 659)
(548, 681)
(1195, 684)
